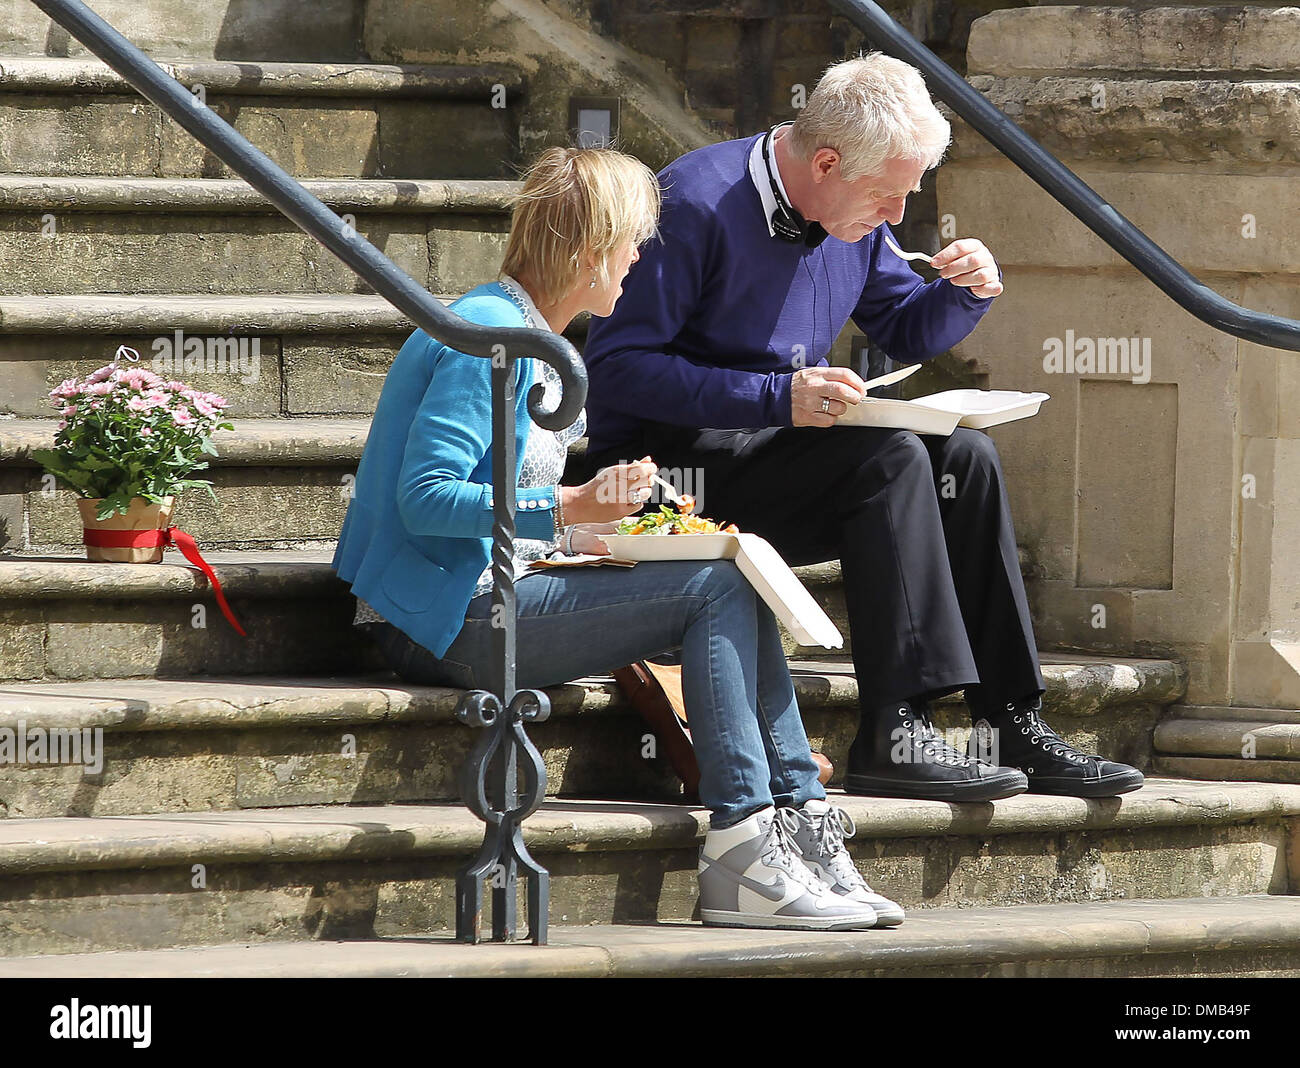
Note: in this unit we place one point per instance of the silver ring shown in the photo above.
(826, 405)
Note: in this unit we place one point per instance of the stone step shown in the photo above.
(1235, 714)
(295, 609)
(1217, 769)
(75, 116)
(75, 885)
(1206, 742)
(1152, 118)
(70, 235)
(302, 353)
(1255, 935)
(207, 743)
(225, 29)
(1229, 738)
(299, 470)
(1190, 41)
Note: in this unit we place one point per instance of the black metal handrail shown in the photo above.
(504, 711)
(1067, 188)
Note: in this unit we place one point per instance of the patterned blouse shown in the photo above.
(544, 455)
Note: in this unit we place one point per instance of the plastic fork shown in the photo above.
(907, 255)
(672, 492)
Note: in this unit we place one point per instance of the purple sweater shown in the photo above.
(717, 314)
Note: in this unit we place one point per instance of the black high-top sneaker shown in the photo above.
(1053, 765)
(898, 754)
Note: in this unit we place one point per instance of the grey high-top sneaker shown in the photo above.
(751, 876)
(819, 838)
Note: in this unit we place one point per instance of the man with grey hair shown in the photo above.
(714, 360)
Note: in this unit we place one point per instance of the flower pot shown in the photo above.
(141, 515)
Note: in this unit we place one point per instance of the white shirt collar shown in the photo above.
(758, 174)
(525, 302)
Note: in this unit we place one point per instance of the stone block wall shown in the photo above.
(1156, 490)
(740, 64)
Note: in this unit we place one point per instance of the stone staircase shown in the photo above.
(283, 804)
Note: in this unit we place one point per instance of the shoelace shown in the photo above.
(836, 826)
(1042, 736)
(934, 747)
(780, 848)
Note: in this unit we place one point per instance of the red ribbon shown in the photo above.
(165, 536)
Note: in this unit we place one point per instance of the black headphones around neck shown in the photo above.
(788, 223)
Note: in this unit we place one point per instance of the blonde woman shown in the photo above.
(416, 540)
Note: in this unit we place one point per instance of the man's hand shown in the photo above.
(967, 263)
(818, 395)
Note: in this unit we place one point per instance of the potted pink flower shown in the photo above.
(126, 444)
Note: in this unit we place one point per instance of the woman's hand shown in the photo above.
(586, 538)
(615, 493)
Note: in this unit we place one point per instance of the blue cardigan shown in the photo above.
(418, 530)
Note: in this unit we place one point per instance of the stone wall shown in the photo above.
(1156, 491)
(738, 61)
(742, 63)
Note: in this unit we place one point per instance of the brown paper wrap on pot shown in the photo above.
(141, 515)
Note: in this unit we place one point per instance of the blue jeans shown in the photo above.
(572, 622)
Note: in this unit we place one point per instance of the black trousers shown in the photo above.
(920, 523)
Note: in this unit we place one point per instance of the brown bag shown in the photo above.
(658, 697)
(655, 691)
